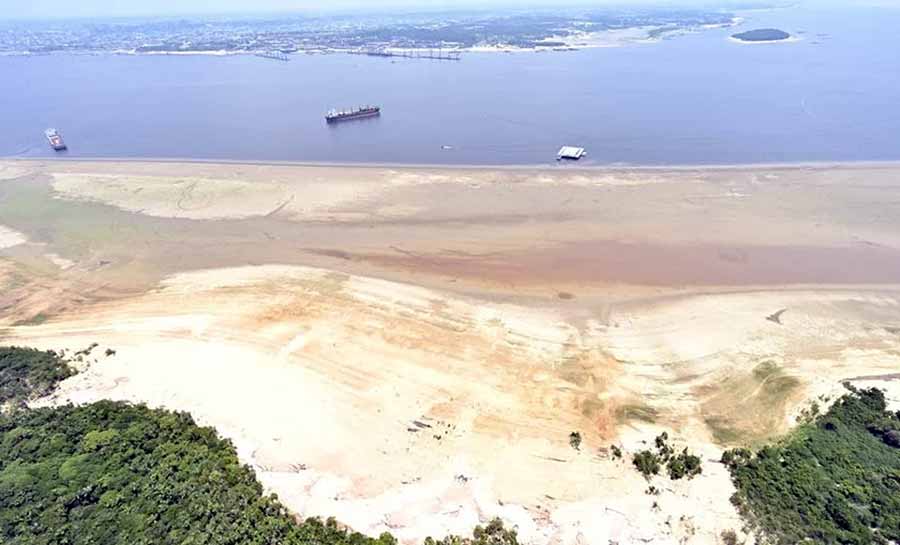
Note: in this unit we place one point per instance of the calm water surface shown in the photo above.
(696, 99)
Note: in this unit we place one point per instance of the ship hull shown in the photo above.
(351, 117)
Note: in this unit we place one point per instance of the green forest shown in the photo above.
(762, 35)
(834, 480)
(27, 373)
(114, 473)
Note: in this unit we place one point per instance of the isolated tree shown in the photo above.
(575, 440)
(647, 462)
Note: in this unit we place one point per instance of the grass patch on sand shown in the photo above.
(750, 408)
(636, 411)
(37, 319)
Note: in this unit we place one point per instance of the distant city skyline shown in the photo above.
(89, 8)
(126, 8)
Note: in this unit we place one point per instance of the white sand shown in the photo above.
(59, 261)
(306, 368)
(10, 238)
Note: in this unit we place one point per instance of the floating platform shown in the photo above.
(571, 153)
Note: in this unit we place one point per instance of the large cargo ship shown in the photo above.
(357, 113)
(55, 139)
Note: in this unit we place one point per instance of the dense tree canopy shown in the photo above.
(26, 374)
(113, 473)
(835, 480)
(762, 35)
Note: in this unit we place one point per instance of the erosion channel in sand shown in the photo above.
(409, 349)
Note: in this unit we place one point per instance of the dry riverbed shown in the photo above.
(409, 349)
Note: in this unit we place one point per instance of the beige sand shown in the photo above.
(409, 349)
(407, 439)
(11, 171)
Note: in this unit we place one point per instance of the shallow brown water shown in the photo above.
(608, 262)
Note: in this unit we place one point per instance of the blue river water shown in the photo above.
(834, 95)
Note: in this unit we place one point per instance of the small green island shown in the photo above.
(762, 35)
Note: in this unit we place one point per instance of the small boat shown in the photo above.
(55, 139)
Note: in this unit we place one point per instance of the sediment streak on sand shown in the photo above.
(408, 349)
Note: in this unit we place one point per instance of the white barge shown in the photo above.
(570, 152)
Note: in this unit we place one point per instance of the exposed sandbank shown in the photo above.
(315, 314)
(549, 166)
